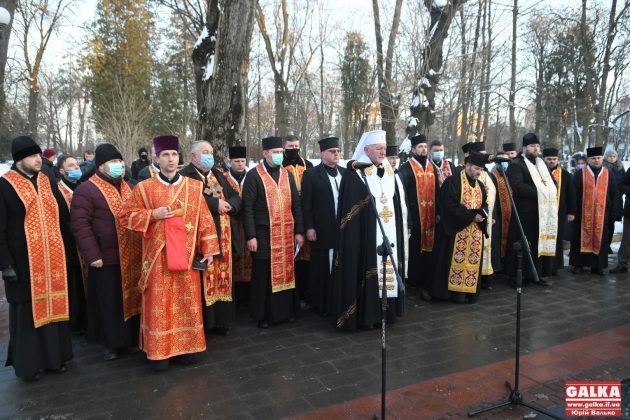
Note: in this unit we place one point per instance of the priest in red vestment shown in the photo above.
(179, 237)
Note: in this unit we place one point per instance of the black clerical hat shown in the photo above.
(416, 140)
(530, 138)
(392, 150)
(594, 151)
(271, 143)
(237, 152)
(22, 147)
(550, 152)
(477, 159)
(478, 146)
(509, 147)
(328, 143)
(106, 152)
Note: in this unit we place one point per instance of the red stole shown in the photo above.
(593, 210)
(298, 172)
(467, 249)
(556, 174)
(218, 277)
(425, 192)
(506, 210)
(46, 252)
(280, 228)
(129, 245)
(444, 171)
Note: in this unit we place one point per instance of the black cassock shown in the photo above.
(526, 201)
(219, 315)
(577, 258)
(420, 263)
(265, 305)
(30, 349)
(356, 296)
(454, 217)
(566, 206)
(318, 207)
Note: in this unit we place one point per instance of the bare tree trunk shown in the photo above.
(601, 128)
(226, 85)
(471, 77)
(485, 68)
(486, 106)
(512, 99)
(588, 71)
(388, 104)
(423, 106)
(463, 116)
(4, 49)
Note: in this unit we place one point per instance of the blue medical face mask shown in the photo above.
(207, 161)
(505, 165)
(580, 165)
(438, 156)
(74, 175)
(277, 159)
(115, 169)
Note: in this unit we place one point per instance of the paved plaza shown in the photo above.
(443, 359)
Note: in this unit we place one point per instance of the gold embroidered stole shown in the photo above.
(46, 252)
(593, 210)
(425, 193)
(506, 210)
(187, 198)
(278, 197)
(66, 192)
(67, 196)
(547, 201)
(129, 245)
(467, 249)
(298, 172)
(445, 171)
(218, 276)
(491, 196)
(557, 176)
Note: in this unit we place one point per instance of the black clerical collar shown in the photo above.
(238, 175)
(270, 168)
(471, 181)
(113, 181)
(331, 170)
(530, 158)
(71, 185)
(169, 181)
(596, 171)
(422, 160)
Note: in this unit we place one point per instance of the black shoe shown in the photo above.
(542, 282)
(62, 369)
(33, 378)
(425, 295)
(263, 324)
(160, 365)
(110, 354)
(597, 271)
(554, 273)
(577, 270)
(486, 286)
(619, 269)
(185, 359)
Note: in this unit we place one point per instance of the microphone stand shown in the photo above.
(516, 397)
(385, 251)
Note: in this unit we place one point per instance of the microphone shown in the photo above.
(356, 165)
(499, 159)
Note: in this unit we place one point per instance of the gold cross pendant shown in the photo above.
(386, 214)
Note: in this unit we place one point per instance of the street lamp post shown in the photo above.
(5, 19)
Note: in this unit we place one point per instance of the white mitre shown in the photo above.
(367, 139)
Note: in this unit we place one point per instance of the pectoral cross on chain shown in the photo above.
(386, 214)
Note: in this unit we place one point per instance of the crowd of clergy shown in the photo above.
(154, 257)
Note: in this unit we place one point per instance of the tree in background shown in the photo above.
(357, 80)
(120, 62)
(35, 24)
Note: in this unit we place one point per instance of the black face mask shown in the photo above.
(143, 157)
(292, 154)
